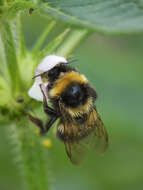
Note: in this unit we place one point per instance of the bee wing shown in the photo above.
(90, 134)
(76, 151)
(98, 139)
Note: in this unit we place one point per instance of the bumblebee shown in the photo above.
(72, 101)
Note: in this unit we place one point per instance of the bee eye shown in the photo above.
(51, 72)
(44, 77)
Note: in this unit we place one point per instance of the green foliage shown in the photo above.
(10, 9)
(103, 16)
(42, 38)
(10, 55)
(51, 47)
(66, 48)
(18, 63)
(34, 166)
(5, 93)
(15, 79)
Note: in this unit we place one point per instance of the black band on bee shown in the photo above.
(74, 94)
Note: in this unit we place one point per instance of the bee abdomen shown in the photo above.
(72, 133)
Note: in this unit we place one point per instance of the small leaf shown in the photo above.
(5, 93)
(19, 43)
(103, 16)
(3, 83)
(71, 42)
(10, 54)
(5, 98)
(3, 67)
(43, 36)
(51, 47)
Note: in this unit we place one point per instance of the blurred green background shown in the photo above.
(114, 66)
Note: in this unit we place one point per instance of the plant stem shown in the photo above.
(72, 41)
(33, 158)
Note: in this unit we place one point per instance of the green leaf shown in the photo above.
(18, 37)
(104, 16)
(74, 38)
(43, 36)
(3, 68)
(5, 93)
(51, 47)
(3, 83)
(9, 54)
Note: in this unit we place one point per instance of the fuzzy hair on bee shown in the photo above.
(72, 101)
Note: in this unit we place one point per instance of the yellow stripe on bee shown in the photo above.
(65, 80)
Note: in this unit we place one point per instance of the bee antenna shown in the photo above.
(73, 60)
(37, 75)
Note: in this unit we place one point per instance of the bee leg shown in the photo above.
(50, 123)
(37, 122)
(48, 110)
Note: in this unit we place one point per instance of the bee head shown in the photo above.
(53, 73)
(54, 65)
